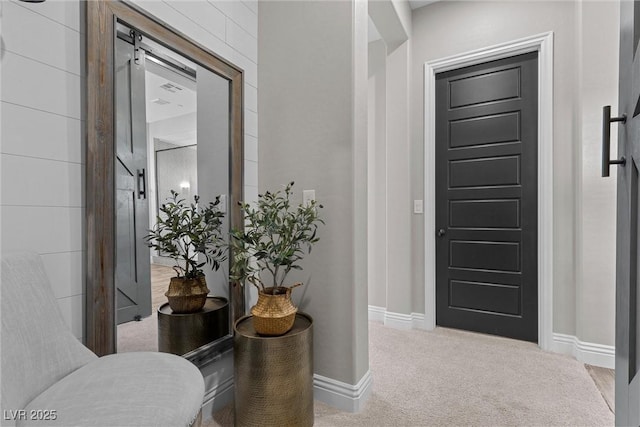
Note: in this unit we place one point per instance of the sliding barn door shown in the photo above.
(627, 251)
(133, 275)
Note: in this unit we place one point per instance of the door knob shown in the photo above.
(441, 232)
(606, 139)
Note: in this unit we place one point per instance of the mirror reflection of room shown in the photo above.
(169, 150)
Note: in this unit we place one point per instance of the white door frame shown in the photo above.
(543, 44)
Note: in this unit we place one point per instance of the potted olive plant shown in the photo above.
(276, 237)
(191, 235)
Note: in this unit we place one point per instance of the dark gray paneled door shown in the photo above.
(133, 269)
(486, 198)
(628, 217)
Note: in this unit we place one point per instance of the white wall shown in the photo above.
(596, 216)
(398, 162)
(313, 79)
(42, 152)
(377, 174)
(183, 127)
(42, 148)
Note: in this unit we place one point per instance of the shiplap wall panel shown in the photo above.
(65, 12)
(41, 143)
(237, 12)
(55, 137)
(204, 14)
(241, 40)
(250, 171)
(251, 98)
(249, 67)
(251, 148)
(250, 123)
(42, 229)
(72, 313)
(251, 193)
(65, 273)
(29, 181)
(43, 49)
(170, 12)
(252, 5)
(43, 87)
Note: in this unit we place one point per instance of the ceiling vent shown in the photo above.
(160, 101)
(171, 87)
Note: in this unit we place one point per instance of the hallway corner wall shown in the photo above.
(313, 128)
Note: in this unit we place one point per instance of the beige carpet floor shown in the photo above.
(143, 335)
(139, 336)
(454, 378)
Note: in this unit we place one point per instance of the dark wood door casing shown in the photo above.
(486, 198)
(101, 17)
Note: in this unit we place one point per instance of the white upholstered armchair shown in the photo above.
(50, 379)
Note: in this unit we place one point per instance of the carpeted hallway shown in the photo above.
(454, 378)
(442, 378)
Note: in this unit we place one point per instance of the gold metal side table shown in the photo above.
(181, 333)
(273, 376)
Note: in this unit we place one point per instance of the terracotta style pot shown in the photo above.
(187, 295)
(274, 315)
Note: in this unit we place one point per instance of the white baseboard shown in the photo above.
(343, 396)
(586, 352)
(376, 314)
(418, 321)
(397, 320)
(217, 398)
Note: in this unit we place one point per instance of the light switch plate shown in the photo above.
(308, 196)
(418, 207)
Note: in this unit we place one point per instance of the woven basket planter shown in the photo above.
(274, 315)
(187, 295)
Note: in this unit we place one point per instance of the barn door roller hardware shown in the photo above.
(606, 139)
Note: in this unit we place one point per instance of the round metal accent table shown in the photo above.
(273, 375)
(182, 333)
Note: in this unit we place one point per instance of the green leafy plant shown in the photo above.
(183, 231)
(276, 237)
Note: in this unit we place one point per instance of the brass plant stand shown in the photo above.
(181, 333)
(273, 375)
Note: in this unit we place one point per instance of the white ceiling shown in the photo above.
(374, 34)
(167, 98)
(419, 3)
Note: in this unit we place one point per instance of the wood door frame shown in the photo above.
(543, 44)
(101, 15)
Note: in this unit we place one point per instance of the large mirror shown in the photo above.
(163, 114)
